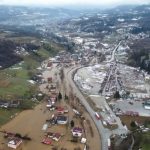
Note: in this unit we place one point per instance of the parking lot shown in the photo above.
(126, 106)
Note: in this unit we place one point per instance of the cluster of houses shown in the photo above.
(76, 132)
(131, 113)
(59, 118)
(9, 103)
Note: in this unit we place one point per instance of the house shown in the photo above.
(49, 79)
(52, 88)
(14, 143)
(147, 104)
(53, 99)
(47, 141)
(77, 132)
(60, 110)
(60, 119)
(4, 104)
(50, 134)
(131, 113)
(66, 109)
(49, 105)
(49, 64)
(54, 136)
(75, 57)
(14, 104)
(7, 103)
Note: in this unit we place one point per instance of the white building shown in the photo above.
(147, 105)
(62, 120)
(77, 132)
(14, 143)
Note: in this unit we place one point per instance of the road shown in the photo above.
(113, 53)
(104, 133)
(112, 79)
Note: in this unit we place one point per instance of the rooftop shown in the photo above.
(15, 141)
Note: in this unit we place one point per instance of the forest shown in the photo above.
(139, 55)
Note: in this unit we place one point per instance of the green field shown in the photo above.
(43, 53)
(6, 115)
(145, 144)
(13, 83)
(146, 147)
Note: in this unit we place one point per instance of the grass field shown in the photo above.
(145, 144)
(5, 115)
(14, 87)
(141, 138)
(146, 147)
(14, 82)
(43, 53)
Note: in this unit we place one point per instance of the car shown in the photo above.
(131, 103)
(98, 117)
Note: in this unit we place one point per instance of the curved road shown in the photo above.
(102, 132)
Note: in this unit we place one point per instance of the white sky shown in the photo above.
(72, 2)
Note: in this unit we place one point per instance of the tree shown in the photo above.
(59, 96)
(133, 125)
(117, 95)
(128, 93)
(62, 74)
(66, 97)
(72, 123)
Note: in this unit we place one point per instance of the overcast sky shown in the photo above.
(71, 2)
